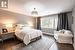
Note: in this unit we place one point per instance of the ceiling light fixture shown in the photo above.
(34, 13)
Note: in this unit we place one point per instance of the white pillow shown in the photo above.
(26, 28)
(67, 32)
(19, 26)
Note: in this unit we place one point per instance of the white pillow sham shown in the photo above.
(22, 26)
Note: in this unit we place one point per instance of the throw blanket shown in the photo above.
(27, 34)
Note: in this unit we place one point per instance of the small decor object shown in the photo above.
(3, 3)
(4, 30)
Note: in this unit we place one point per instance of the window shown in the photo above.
(49, 22)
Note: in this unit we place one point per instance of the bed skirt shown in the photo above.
(32, 40)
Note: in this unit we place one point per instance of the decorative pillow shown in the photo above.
(61, 31)
(19, 26)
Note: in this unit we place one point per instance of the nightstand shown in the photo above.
(1, 40)
(6, 36)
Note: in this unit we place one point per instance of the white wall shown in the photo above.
(7, 17)
(73, 25)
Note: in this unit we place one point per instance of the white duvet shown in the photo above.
(27, 34)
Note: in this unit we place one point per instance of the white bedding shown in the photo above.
(27, 34)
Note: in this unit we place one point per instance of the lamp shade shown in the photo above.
(9, 25)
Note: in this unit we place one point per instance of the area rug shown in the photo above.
(42, 44)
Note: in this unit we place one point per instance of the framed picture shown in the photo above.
(4, 30)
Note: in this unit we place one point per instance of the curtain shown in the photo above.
(63, 22)
(38, 23)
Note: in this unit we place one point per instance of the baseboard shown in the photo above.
(48, 34)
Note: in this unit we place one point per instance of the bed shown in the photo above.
(26, 34)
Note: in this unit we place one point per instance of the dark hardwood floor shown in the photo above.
(8, 44)
(65, 46)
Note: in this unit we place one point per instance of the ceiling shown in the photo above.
(44, 7)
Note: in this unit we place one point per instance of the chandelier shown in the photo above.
(34, 13)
